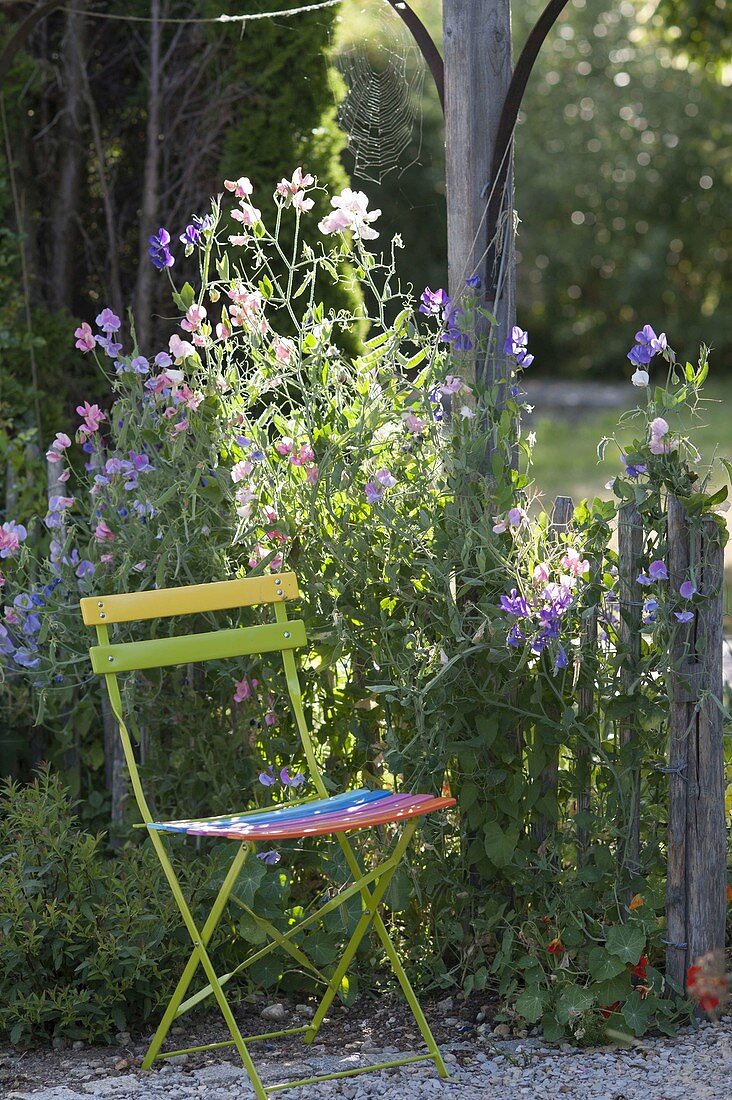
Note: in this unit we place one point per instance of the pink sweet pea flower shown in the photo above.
(223, 330)
(92, 416)
(103, 533)
(241, 470)
(574, 564)
(84, 337)
(244, 690)
(242, 188)
(312, 474)
(11, 536)
(180, 349)
(181, 426)
(298, 183)
(453, 385)
(350, 211)
(283, 349)
(302, 203)
(106, 559)
(541, 573)
(414, 424)
(247, 215)
(285, 445)
(194, 318)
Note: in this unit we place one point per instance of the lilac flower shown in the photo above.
(647, 345)
(140, 462)
(140, 365)
(684, 616)
(633, 469)
(108, 321)
(650, 607)
(271, 858)
(108, 345)
(687, 590)
(159, 251)
(162, 359)
(267, 778)
(515, 605)
(517, 343)
(453, 334)
(434, 302)
(658, 571)
(373, 492)
(291, 781)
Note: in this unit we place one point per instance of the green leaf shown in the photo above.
(573, 1000)
(265, 287)
(530, 1004)
(500, 845)
(603, 966)
(636, 1013)
(626, 942)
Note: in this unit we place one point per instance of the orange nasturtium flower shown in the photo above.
(555, 946)
(729, 892)
(636, 902)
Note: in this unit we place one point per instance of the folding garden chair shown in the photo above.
(320, 815)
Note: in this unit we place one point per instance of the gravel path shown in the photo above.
(694, 1066)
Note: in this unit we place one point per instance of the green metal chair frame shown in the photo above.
(282, 636)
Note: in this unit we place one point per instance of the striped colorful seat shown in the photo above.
(354, 810)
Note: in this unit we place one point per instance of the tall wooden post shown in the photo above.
(477, 49)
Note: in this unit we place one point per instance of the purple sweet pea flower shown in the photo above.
(517, 344)
(140, 365)
(159, 251)
(162, 359)
(657, 571)
(108, 321)
(515, 604)
(687, 590)
(647, 345)
(473, 282)
(433, 303)
(85, 569)
(561, 660)
(684, 616)
(633, 469)
(291, 781)
(107, 343)
(385, 478)
(650, 607)
(271, 858)
(267, 778)
(373, 492)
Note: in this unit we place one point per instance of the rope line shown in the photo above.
(247, 18)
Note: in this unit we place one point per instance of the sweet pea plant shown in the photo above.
(445, 615)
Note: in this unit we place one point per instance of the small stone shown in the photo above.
(445, 1005)
(123, 1037)
(275, 1012)
(502, 1031)
(307, 1011)
(177, 1059)
(58, 1043)
(78, 1044)
(480, 1018)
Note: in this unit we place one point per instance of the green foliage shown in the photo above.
(84, 942)
(258, 451)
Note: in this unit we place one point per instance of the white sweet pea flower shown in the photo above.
(467, 413)
(641, 378)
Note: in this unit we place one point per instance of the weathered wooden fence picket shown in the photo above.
(696, 831)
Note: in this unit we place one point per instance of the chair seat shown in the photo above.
(354, 810)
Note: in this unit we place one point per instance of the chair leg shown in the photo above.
(393, 957)
(200, 955)
(369, 914)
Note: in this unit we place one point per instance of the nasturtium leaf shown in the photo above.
(603, 966)
(636, 1013)
(572, 1001)
(500, 845)
(530, 1004)
(626, 942)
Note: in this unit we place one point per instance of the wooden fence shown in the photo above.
(696, 839)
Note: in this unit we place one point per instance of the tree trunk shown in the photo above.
(64, 228)
(149, 203)
(477, 47)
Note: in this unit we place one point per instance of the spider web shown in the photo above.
(381, 113)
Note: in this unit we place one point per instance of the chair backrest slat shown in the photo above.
(162, 603)
(188, 648)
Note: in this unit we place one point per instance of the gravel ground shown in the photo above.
(693, 1066)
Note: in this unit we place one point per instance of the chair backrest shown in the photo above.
(284, 636)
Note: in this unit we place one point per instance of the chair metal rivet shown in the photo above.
(280, 592)
(287, 633)
(110, 659)
(100, 604)
(102, 615)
